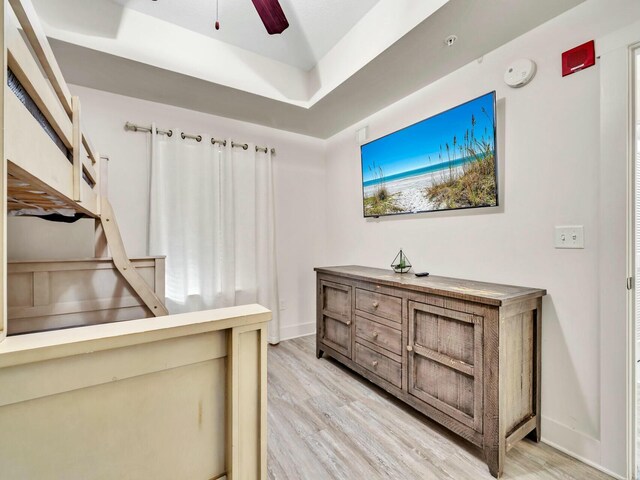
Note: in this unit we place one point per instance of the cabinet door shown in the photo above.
(335, 319)
(445, 361)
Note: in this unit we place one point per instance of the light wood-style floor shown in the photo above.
(326, 422)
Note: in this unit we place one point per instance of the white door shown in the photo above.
(636, 144)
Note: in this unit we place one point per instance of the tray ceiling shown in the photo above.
(315, 25)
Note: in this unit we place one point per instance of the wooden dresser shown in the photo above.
(464, 353)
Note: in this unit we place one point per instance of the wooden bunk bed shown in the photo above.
(190, 388)
(46, 124)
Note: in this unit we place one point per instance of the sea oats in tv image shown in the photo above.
(445, 162)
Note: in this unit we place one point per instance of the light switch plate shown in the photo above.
(569, 237)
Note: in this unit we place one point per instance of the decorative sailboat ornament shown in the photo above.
(401, 263)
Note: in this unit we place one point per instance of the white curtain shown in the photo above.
(212, 215)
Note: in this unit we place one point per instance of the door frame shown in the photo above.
(633, 186)
(616, 455)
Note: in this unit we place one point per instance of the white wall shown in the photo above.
(550, 165)
(299, 179)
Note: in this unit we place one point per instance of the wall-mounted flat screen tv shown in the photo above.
(446, 162)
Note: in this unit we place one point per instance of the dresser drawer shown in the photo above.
(382, 366)
(378, 334)
(379, 304)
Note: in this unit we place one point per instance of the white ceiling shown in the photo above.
(314, 25)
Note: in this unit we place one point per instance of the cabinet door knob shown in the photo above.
(348, 322)
(409, 348)
(374, 363)
(375, 304)
(375, 334)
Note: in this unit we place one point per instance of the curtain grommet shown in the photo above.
(197, 138)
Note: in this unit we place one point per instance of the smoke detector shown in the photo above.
(520, 73)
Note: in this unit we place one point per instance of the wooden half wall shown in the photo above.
(175, 397)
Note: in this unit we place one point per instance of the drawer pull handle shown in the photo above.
(374, 363)
(375, 334)
(348, 323)
(409, 348)
(376, 304)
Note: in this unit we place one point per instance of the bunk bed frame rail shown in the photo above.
(71, 183)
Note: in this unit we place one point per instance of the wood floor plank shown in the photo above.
(327, 422)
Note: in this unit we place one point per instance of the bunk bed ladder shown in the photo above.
(122, 262)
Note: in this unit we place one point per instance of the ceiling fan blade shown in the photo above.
(271, 15)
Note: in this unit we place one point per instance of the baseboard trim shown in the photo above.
(586, 447)
(582, 459)
(296, 331)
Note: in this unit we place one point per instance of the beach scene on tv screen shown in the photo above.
(444, 162)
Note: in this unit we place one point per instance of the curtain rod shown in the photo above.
(130, 126)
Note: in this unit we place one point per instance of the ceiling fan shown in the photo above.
(271, 14)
